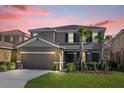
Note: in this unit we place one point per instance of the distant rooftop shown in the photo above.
(13, 32)
(66, 27)
(117, 35)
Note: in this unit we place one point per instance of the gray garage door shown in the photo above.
(38, 61)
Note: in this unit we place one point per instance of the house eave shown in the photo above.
(39, 38)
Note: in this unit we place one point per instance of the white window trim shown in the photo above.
(37, 52)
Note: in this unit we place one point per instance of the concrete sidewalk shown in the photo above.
(18, 78)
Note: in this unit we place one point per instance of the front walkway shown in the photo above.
(18, 78)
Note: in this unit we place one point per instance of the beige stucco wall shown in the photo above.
(118, 43)
(5, 55)
(117, 52)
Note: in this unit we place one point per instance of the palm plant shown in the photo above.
(83, 34)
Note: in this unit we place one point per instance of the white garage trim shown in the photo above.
(58, 62)
(37, 52)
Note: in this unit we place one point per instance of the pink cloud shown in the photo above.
(24, 10)
(30, 23)
(9, 17)
(114, 26)
(19, 7)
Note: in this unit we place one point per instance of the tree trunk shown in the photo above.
(101, 56)
(83, 64)
(81, 52)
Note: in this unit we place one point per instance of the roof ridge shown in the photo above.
(5, 31)
(66, 27)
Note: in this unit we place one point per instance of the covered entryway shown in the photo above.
(38, 60)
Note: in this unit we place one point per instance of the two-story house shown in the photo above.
(13, 36)
(66, 41)
(8, 40)
(118, 49)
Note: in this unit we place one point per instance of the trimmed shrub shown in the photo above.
(7, 66)
(12, 65)
(56, 67)
(71, 67)
(3, 66)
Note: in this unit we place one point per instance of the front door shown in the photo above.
(70, 56)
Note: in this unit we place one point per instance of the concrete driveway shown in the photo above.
(18, 78)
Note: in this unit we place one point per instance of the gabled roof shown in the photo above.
(66, 27)
(14, 32)
(6, 45)
(117, 35)
(37, 37)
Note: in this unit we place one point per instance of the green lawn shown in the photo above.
(77, 80)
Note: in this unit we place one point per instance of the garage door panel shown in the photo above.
(38, 61)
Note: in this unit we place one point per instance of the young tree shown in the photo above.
(83, 34)
(100, 40)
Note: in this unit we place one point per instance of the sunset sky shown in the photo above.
(30, 17)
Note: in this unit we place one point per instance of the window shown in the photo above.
(76, 38)
(70, 37)
(89, 39)
(94, 35)
(11, 39)
(66, 37)
(20, 39)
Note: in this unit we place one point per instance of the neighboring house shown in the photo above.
(13, 36)
(8, 40)
(41, 51)
(6, 51)
(118, 49)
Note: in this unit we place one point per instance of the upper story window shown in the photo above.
(89, 39)
(69, 37)
(11, 39)
(94, 34)
(76, 38)
(20, 39)
(73, 37)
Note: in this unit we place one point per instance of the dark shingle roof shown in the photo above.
(13, 32)
(66, 27)
(118, 34)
